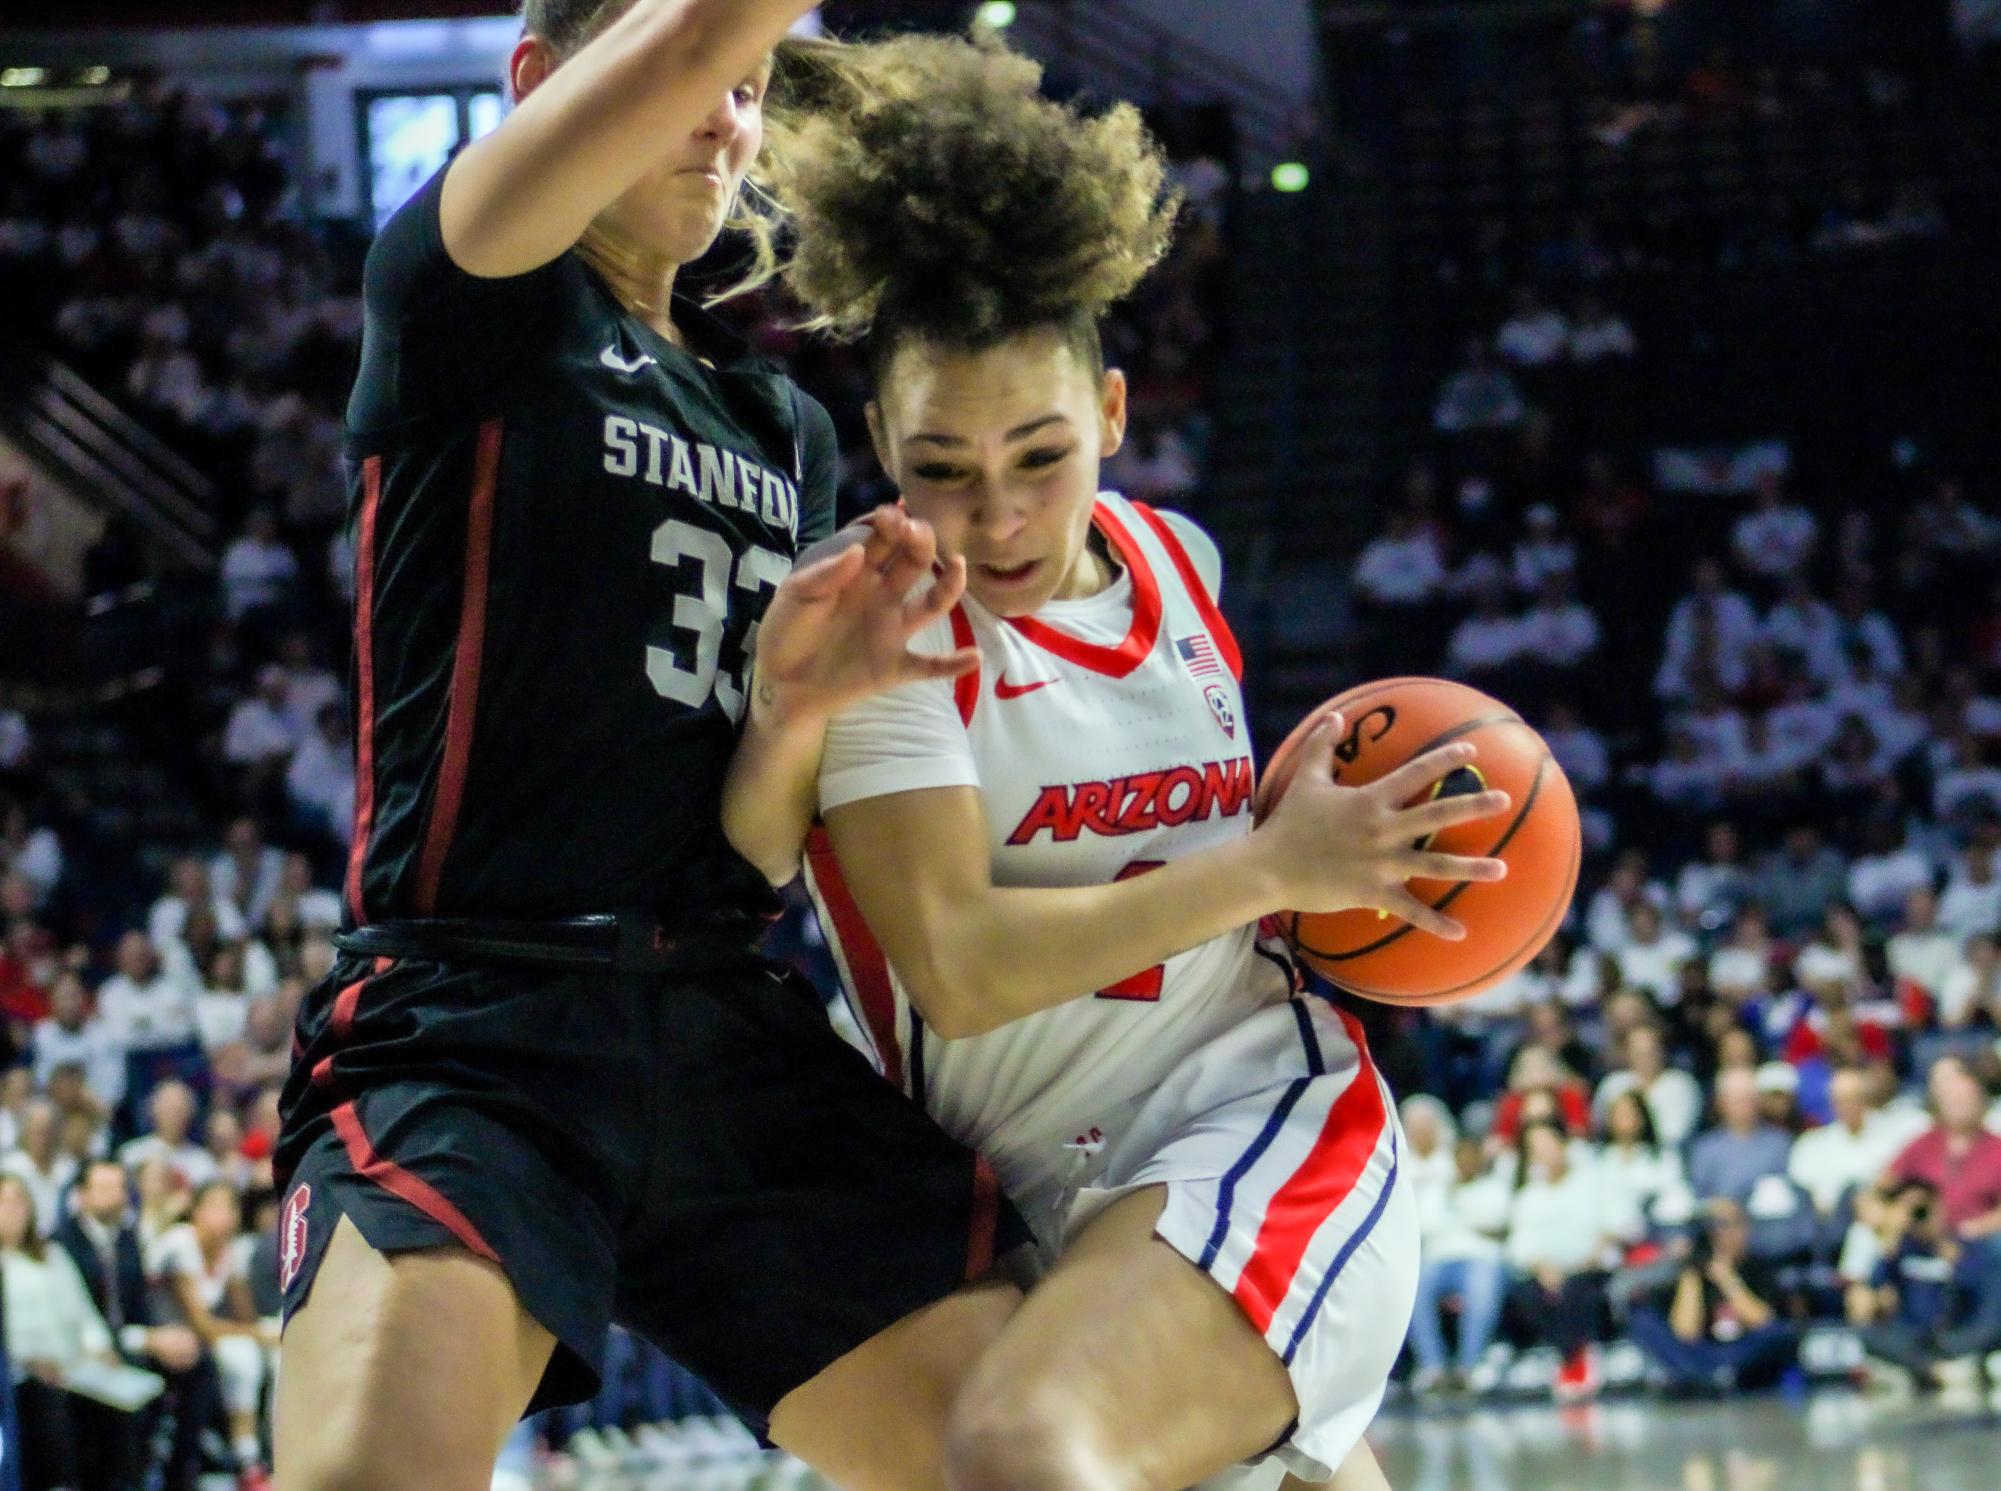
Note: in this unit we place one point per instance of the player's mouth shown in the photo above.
(1010, 577)
(708, 173)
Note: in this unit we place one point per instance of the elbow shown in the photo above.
(954, 1001)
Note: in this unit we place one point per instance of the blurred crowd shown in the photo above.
(146, 1037)
(1750, 1091)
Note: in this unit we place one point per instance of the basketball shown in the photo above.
(1507, 922)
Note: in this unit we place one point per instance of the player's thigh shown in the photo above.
(875, 1420)
(1126, 1360)
(402, 1371)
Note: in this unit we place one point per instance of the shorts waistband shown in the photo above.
(615, 942)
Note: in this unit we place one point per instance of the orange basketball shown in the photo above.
(1507, 921)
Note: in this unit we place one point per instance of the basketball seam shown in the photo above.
(1507, 837)
(1541, 934)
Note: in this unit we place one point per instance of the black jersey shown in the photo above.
(565, 530)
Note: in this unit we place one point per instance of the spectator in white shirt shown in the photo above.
(247, 872)
(308, 687)
(261, 734)
(1460, 1222)
(205, 1264)
(1804, 624)
(1922, 952)
(1558, 1242)
(188, 885)
(1653, 953)
(1972, 987)
(321, 776)
(1402, 566)
(1485, 641)
(1542, 551)
(258, 570)
(1478, 395)
(1636, 1164)
(318, 909)
(1853, 1151)
(1741, 968)
(1578, 749)
(71, 1036)
(1965, 783)
(1536, 335)
(172, 1107)
(1709, 635)
(1882, 879)
(143, 1008)
(40, 1165)
(52, 1329)
(1598, 334)
(1861, 624)
(1972, 899)
(1776, 538)
(1688, 778)
(1710, 890)
(1607, 919)
(1558, 631)
(1673, 1097)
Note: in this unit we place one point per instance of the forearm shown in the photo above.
(598, 123)
(1686, 1316)
(771, 792)
(1024, 949)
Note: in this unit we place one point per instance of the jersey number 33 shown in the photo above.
(690, 672)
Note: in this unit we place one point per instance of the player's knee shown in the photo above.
(1023, 1441)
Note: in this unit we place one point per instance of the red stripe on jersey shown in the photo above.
(464, 708)
(868, 968)
(348, 1000)
(414, 1189)
(1212, 617)
(1118, 661)
(1327, 1176)
(364, 680)
(986, 1219)
(966, 687)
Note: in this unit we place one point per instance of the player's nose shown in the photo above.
(724, 122)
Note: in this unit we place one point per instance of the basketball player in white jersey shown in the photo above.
(1042, 880)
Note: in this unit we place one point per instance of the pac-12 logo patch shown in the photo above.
(292, 1236)
(1219, 706)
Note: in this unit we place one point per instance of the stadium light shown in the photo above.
(23, 77)
(997, 15)
(1290, 176)
(94, 77)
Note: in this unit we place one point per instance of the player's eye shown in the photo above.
(1038, 460)
(937, 475)
(748, 93)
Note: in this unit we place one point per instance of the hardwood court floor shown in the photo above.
(1832, 1441)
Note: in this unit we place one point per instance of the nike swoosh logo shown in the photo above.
(1005, 690)
(610, 358)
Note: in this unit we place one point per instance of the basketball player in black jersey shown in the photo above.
(548, 1085)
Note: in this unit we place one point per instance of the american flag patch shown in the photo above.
(1199, 655)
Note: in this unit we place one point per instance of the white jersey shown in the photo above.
(1106, 736)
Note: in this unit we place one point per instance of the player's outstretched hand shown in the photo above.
(1336, 848)
(839, 628)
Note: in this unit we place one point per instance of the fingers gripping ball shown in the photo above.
(1507, 921)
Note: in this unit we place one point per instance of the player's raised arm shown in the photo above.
(589, 128)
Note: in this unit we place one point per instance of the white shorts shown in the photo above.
(1278, 1144)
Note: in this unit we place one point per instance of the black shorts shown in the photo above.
(704, 1162)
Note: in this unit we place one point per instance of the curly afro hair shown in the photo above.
(934, 193)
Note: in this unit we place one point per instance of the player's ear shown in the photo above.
(1111, 414)
(529, 66)
(878, 435)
